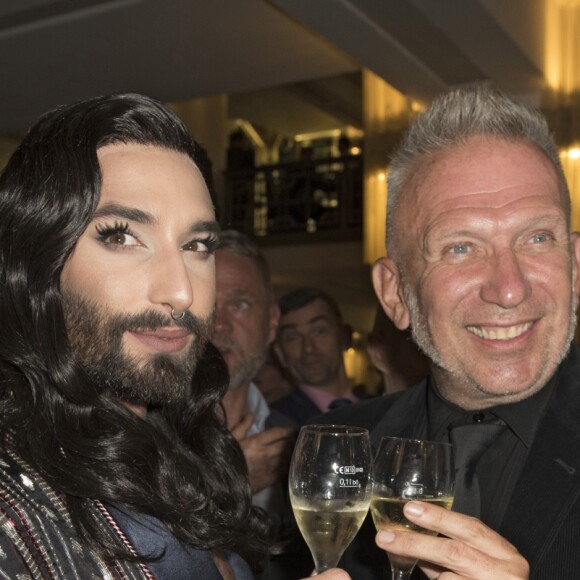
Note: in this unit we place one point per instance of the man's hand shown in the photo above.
(469, 550)
(267, 454)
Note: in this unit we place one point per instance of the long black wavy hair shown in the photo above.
(86, 445)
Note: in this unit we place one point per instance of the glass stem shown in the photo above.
(401, 567)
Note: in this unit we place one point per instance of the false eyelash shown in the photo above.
(105, 231)
(212, 243)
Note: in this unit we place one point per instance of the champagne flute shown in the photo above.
(407, 470)
(330, 488)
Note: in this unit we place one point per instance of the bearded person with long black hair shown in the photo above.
(107, 290)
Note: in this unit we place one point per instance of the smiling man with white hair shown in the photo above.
(484, 269)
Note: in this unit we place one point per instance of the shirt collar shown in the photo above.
(258, 406)
(322, 398)
(522, 417)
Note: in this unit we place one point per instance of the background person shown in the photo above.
(310, 344)
(245, 324)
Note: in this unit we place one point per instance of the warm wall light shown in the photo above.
(357, 364)
(386, 113)
(375, 215)
(417, 107)
(571, 164)
(562, 45)
(563, 77)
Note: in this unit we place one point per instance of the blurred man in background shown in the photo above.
(310, 343)
(246, 319)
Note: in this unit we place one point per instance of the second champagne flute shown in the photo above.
(407, 470)
(330, 488)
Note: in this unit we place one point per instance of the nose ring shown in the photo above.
(175, 316)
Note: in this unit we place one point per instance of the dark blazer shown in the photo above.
(297, 406)
(543, 517)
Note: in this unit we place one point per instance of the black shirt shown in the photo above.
(499, 467)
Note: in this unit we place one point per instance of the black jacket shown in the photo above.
(543, 517)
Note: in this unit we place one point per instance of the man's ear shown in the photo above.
(387, 283)
(273, 322)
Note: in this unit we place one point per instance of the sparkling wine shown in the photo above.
(329, 526)
(388, 513)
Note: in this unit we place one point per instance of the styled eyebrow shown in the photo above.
(207, 226)
(133, 214)
(123, 211)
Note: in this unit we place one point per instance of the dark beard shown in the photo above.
(96, 337)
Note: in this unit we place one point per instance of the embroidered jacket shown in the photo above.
(37, 538)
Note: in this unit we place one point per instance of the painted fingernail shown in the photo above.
(385, 537)
(414, 508)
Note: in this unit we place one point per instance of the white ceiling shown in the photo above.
(56, 51)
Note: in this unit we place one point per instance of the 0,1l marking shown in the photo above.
(347, 482)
